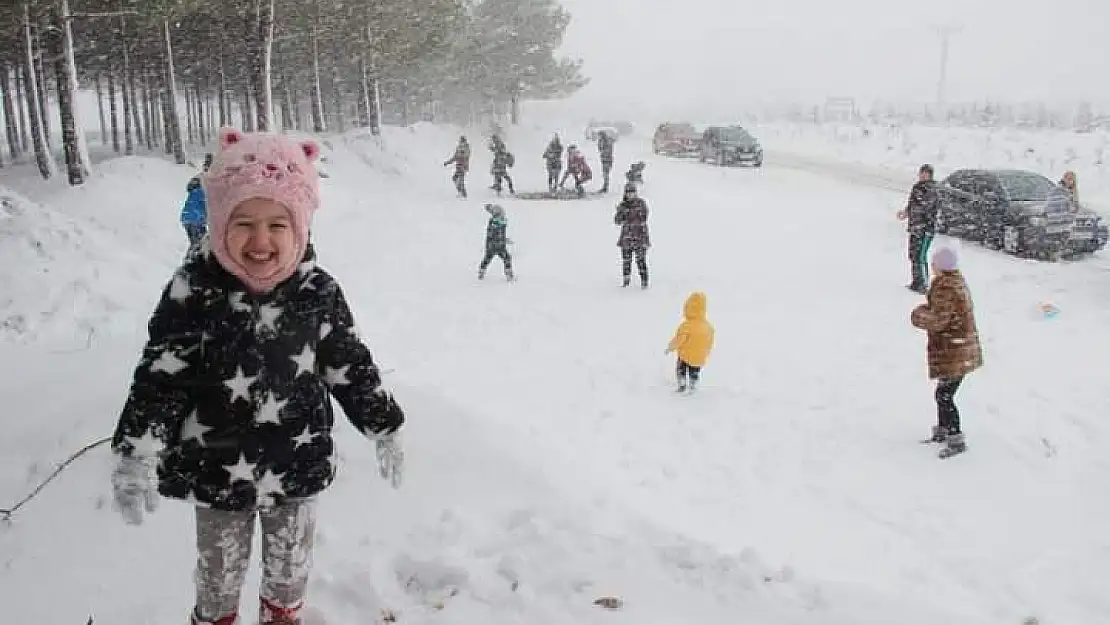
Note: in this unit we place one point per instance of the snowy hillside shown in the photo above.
(901, 149)
(550, 463)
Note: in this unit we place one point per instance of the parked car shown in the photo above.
(676, 139)
(1090, 233)
(618, 128)
(730, 145)
(1020, 212)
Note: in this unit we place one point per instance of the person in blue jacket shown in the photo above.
(194, 214)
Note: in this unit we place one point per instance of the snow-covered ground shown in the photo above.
(549, 461)
(899, 150)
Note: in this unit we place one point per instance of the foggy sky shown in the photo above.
(678, 54)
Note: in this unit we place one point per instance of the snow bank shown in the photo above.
(904, 148)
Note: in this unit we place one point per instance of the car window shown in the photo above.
(960, 181)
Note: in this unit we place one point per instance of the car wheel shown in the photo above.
(758, 163)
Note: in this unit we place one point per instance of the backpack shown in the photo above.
(510, 160)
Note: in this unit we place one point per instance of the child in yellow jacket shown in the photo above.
(693, 341)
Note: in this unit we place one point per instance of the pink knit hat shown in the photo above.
(945, 259)
(267, 166)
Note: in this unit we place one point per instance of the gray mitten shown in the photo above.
(391, 458)
(134, 488)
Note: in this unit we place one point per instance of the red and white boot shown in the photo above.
(270, 613)
(230, 619)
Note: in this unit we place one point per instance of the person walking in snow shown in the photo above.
(605, 151)
(693, 340)
(194, 215)
(502, 161)
(461, 160)
(953, 345)
(578, 168)
(921, 223)
(231, 398)
(632, 216)
(497, 242)
(553, 156)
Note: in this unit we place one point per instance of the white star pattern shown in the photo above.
(306, 361)
(337, 377)
(241, 471)
(270, 410)
(168, 362)
(180, 289)
(237, 303)
(269, 485)
(306, 267)
(304, 438)
(325, 330)
(240, 385)
(146, 445)
(193, 430)
(268, 316)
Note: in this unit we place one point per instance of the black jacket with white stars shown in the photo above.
(232, 391)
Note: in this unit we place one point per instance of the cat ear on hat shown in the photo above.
(230, 136)
(311, 150)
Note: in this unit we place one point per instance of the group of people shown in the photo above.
(577, 168)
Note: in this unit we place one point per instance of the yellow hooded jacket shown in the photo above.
(694, 337)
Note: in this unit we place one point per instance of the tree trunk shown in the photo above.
(318, 124)
(6, 90)
(514, 108)
(150, 127)
(56, 46)
(164, 106)
(128, 141)
(245, 110)
(287, 111)
(189, 120)
(100, 110)
(137, 112)
(40, 91)
(20, 102)
(225, 102)
(38, 133)
(171, 86)
(113, 109)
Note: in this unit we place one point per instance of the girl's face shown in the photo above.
(260, 237)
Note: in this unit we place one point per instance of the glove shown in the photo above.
(391, 458)
(133, 487)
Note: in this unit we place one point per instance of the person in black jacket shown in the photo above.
(632, 215)
(605, 152)
(230, 404)
(921, 223)
(497, 242)
(461, 160)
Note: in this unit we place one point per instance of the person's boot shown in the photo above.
(270, 613)
(693, 384)
(939, 435)
(681, 385)
(626, 279)
(230, 619)
(482, 273)
(954, 445)
(509, 275)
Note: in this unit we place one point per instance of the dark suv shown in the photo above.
(730, 145)
(1020, 212)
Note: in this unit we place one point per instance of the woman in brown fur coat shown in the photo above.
(953, 349)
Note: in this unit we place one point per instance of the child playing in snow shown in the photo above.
(230, 400)
(497, 242)
(953, 348)
(693, 340)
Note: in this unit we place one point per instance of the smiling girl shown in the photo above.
(229, 407)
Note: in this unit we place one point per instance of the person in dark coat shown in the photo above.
(605, 152)
(553, 156)
(635, 173)
(632, 216)
(502, 161)
(578, 168)
(921, 223)
(461, 160)
(497, 242)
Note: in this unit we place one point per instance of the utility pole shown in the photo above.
(945, 31)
